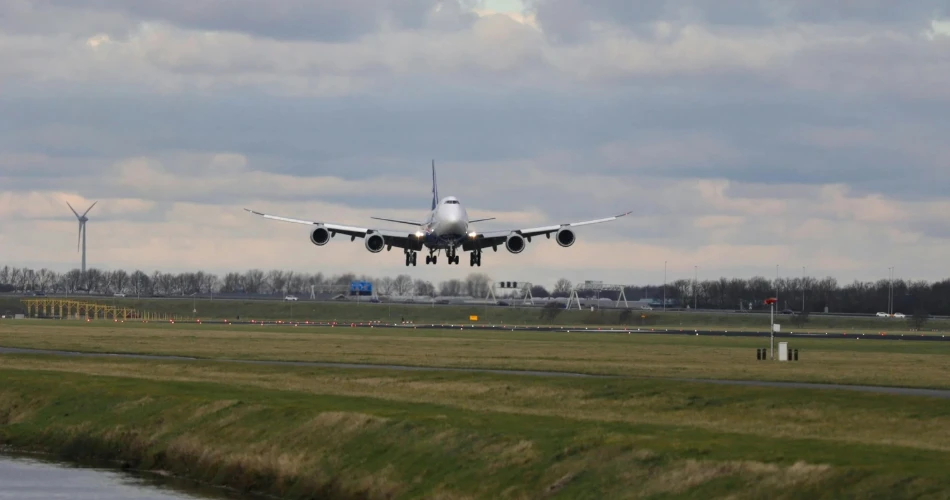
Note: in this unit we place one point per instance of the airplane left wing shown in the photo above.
(478, 240)
(398, 239)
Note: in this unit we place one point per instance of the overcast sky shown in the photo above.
(742, 133)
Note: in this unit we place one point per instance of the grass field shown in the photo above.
(353, 312)
(304, 432)
(872, 362)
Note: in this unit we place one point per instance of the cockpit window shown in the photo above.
(451, 202)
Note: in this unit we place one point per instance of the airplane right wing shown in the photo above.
(514, 239)
(323, 231)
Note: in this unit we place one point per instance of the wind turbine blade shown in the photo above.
(90, 208)
(73, 209)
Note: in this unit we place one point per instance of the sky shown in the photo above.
(743, 135)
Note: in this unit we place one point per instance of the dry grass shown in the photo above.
(829, 415)
(832, 361)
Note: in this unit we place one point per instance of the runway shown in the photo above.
(897, 391)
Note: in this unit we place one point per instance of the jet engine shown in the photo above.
(515, 243)
(320, 236)
(565, 237)
(375, 243)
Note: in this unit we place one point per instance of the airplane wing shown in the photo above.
(481, 220)
(399, 221)
(398, 239)
(493, 239)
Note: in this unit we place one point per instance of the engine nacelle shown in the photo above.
(320, 236)
(375, 243)
(565, 237)
(515, 243)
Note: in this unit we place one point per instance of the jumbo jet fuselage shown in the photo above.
(446, 225)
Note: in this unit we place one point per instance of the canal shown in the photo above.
(31, 477)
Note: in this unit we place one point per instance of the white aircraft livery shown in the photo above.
(445, 228)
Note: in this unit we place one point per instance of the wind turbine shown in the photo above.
(82, 235)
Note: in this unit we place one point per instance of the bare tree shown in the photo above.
(451, 288)
(424, 288)
(476, 284)
(277, 281)
(402, 285)
(384, 286)
(119, 280)
(562, 288)
(254, 281)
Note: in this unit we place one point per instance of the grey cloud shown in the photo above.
(742, 135)
(568, 19)
(285, 19)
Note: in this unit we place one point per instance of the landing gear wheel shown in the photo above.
(428, 259)
(475, 259)
(415, 257)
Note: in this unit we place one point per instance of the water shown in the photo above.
(35, 478)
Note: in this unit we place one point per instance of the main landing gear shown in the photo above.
(410, 258)
(475, 258)
(453, 257)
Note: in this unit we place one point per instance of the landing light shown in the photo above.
(472, 234)
(419, 234)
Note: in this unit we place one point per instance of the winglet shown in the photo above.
(435, 188)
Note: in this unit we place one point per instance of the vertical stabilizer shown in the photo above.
(435, 188)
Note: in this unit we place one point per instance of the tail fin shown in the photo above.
(435, 188)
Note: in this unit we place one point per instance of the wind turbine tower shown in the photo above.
(82, 235)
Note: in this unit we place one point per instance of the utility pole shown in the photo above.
(803, 289)
(695, 283)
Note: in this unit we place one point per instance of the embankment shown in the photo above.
(292, 444)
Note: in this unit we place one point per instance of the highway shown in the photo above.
(428, 302)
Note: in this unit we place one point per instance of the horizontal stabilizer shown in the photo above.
(398, 221)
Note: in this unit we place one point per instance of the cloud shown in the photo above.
(741, 134)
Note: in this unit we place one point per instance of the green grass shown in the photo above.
(352, 312)
(851, 361)
(305, 433)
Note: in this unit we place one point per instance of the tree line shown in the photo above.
(798, 294)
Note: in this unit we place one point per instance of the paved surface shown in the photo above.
(561, 329)
(900, 391)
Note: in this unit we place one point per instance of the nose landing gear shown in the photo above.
(410, 258)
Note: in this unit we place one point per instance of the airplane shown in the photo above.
(446, 228)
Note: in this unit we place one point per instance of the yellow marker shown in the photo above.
(473, 318)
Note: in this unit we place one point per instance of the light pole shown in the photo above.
(803, 289)
(776, 283)
(771, 303)
(890, 290)
(664, 286)
(695, 282)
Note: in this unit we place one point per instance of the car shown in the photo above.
(120, 294)
(882, 315)
(290, 297)
(899, 315)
